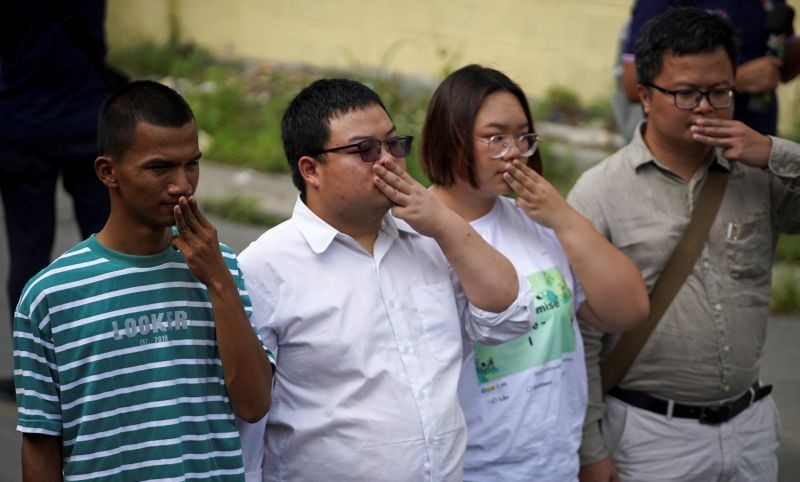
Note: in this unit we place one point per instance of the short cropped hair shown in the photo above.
(682, 31)
(447, 149)
(305, 126)
(140, 101)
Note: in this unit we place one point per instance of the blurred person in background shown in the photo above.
(53, 79)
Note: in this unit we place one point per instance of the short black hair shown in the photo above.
(447, 151)
(140, 101)
(682, 31)
(305, 127)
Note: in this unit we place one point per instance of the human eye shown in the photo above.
(720, 93)
(366, 146)
(158, 166)
(500, 140)
(687, 94)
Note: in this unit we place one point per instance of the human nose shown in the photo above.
(512, 151)
(179, 184)
(384, 152)
(704, 102)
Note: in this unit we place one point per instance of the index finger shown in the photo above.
(198, 214)
(393, 167)
(711, 122)
(518, 168)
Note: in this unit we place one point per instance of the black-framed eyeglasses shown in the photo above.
(370, 149)
(688, 99)
(498, 146)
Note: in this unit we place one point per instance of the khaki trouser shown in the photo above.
(646, 446)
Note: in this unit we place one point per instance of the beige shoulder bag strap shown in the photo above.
(672, 278)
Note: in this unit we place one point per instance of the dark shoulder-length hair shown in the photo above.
(447, 150)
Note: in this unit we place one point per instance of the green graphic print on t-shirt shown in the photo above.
(551, 336)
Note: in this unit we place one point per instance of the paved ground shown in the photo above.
(276, 195)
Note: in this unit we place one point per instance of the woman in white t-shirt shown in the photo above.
(524, 400)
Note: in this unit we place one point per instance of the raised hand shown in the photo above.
(197, 241)
(412, 202)
(759, 75)
(537, 197)
(737, 141)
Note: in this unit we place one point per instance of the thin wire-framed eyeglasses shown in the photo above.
(370, 149)
(688, 99)
(500, 145)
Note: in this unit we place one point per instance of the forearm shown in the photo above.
(613, 285)
(488, 279)
(246, 368)
(629, 81)
(41, 458)
(593, 447)
(791, 60)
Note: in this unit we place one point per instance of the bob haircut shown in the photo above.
(447, 150)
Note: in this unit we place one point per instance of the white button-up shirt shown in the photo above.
(368, 353)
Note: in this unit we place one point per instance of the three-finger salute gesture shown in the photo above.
(412, 202)
(737, 141)
(197, 241)
(537, 197)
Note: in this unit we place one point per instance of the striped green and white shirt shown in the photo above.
(117, 354)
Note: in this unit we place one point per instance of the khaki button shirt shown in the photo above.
(708, 344)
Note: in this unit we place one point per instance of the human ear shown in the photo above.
(105, 169)
(308, 168)
(644, 97)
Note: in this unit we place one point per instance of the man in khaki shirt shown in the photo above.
(691, 407)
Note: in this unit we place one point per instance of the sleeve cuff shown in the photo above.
(593, 447)
(517, 319)
(784, 158)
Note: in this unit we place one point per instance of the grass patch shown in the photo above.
(562, 104)
(788, 249)
(241, 209)
(238, 105)
(785, 289)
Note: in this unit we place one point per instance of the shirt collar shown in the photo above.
(640, 155)
(319, 235)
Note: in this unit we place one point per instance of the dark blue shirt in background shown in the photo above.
(49, 90)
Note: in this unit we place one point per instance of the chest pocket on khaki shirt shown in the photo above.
(748, 253)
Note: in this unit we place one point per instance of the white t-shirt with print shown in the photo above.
(524, 400)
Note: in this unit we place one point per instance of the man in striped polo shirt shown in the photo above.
(133, 350)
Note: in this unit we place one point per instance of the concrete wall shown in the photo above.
(538, 43)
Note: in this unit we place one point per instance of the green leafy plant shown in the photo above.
(560, 104)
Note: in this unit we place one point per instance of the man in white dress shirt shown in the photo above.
(361, 306)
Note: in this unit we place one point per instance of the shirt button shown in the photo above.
(726, 388)
(726, 348)
(705, 264)
(718, 307)
(735, 275)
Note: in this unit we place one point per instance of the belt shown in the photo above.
(711, 414)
